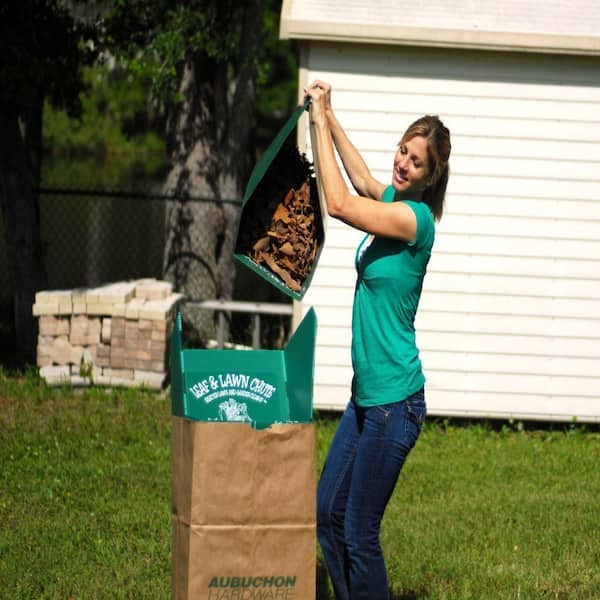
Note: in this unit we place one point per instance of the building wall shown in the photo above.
(509, 321)
(558, 26)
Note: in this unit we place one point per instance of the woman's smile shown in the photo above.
(411, 165)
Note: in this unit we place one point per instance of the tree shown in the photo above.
(42, 52)
(204, 57)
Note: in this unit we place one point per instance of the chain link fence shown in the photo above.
(94, 237)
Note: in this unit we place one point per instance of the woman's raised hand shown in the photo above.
(320, 92)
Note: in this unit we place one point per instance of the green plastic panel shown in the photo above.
(259, 387)
(257, 174)
(271, 152)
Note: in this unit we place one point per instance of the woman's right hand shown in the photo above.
(320, 93)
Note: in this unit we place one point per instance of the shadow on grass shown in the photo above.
(324, 590)
(409, 595)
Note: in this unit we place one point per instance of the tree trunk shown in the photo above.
(22, 233)
(33, 137)
(209, 144)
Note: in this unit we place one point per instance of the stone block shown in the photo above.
(117, 354)
(113, 373)
(152, 289)
(79, 308)
(103, 355)
(159, 337)
(145, 339)
(159, 326)
(142, 354)
(42, 297)
(116, 293)
(85, 330)
(99, 308)
(48, 308)
(132, 310)
(144, 365)
(76, 355)
(119, 309)
(154, 310)
(131, 329)
(58, 296)
(61, 352)
(56, 374)
(150, 378)
(92, 295)
(117, 324)
(158, 354)
(53, 302)
(43, 357)
(53, 325)
(129, 361)
(65, 309)
(145, 325)
(106, 330)
(102, 380)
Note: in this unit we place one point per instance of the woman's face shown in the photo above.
(411, 167)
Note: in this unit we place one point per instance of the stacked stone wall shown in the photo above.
(116, 334)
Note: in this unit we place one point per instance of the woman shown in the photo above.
(387, 407)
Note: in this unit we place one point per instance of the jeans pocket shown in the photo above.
(384, 410)
(416, 408)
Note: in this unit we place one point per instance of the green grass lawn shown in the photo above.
(479, 512)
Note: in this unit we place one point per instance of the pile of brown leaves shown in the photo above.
(281, 226)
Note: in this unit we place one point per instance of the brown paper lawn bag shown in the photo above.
(243, 511)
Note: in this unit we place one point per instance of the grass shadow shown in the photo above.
(323, 589)
(409, 595)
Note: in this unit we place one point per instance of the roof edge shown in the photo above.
(435, 37)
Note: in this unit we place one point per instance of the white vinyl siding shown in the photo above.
(509, 320)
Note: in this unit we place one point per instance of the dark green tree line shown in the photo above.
(42, 51)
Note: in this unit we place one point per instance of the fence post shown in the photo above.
(256, 330)
(221, 330)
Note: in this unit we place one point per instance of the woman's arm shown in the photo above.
(395, 220)
(358, 172)
(354, 165)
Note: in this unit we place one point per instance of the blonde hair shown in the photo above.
(438, 150)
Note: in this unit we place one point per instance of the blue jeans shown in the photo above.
(359, 476)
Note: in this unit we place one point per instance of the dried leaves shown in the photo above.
(281, 226)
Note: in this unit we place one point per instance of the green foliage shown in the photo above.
(277, 79)
(153, 36)
(122, 102)
(151, 39)
(115, 121)
(43, 50)
(86, 370)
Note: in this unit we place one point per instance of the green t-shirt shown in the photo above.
(385, 357)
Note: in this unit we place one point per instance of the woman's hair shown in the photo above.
(438, 148)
